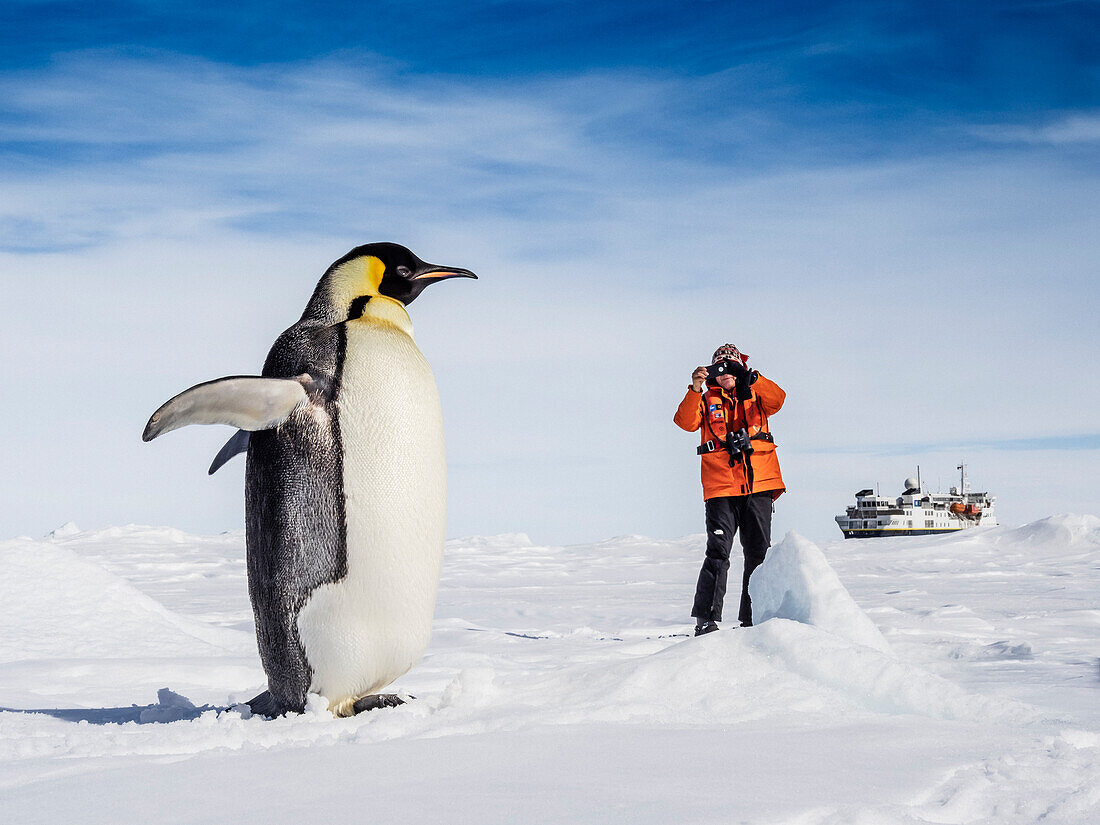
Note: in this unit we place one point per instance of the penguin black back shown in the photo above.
(294, 506)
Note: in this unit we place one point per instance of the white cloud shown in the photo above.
(138, 142)
(1080, 127)
(192, 207)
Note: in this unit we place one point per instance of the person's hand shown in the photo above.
(738, 370)
(699, 378)
(744, 379)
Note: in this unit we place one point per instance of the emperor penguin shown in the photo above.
(345, 484)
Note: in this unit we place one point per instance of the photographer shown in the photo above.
(730, 405)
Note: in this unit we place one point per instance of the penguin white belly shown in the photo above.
(364, 631)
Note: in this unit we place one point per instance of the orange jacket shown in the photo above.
(714, 412)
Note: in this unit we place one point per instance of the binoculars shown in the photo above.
(738, 443)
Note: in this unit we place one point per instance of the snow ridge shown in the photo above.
(796, 582)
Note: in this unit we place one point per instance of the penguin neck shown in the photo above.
(381, 309)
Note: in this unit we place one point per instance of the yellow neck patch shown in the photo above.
(357, 277)
(362, 277)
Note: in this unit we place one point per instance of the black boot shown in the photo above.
(705, 627)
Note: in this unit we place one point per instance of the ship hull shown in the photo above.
(879, 533)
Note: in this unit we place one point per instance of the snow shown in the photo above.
(795, 582)
(948, 679)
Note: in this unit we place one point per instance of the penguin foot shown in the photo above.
(267, 705)
(375, 701)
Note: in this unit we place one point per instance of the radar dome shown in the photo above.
(910, 484)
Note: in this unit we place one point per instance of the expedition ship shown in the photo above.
(917, 513)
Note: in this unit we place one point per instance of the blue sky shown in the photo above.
(890, 205)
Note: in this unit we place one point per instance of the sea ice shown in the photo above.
(562, 685)
(796, 582)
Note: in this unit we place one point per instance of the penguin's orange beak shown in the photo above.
(441, 273)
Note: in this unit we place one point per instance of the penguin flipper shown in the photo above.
(235, 445)
(247, 402)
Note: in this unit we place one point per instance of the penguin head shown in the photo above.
(404, 275)
(386, 270)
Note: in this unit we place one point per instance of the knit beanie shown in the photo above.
(728, 352)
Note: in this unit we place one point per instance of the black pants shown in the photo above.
(752, 515)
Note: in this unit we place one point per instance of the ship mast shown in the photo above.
(964, 485)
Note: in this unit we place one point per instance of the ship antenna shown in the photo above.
(919, 488)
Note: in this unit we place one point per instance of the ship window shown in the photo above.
(928, 522)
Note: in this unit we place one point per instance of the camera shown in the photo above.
(724, 368)
(736, 370)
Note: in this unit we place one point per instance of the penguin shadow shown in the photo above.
(169, 707)
(174, 707)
